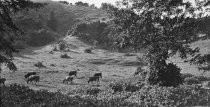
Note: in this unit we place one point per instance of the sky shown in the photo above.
(96, 2)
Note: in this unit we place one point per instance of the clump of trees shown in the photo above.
(107, 6)
(9, 31)
(64, 2)
(164, 28)
(80, 3)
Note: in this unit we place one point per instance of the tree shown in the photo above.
(93, 6)
(80, 3)
(8, 30)
(64, 2)
(107, 6)
(162, 27)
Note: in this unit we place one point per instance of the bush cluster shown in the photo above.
(88, 50)
(39, 65)
(95, 31)
(152, 96)
(65, 56)
(119, 87)
(62, 46)
(17, 95)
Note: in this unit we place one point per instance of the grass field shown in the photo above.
(114, 66)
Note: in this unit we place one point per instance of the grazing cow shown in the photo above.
(2, 80)
(98, 74)
(73, 73)
(32, 78)
(91, 79)
(68, 79)
(29, 74)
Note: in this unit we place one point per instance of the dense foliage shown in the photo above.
(64, 2)
(8, 30)
(162, 27)
(94, 32)
(116, 94)
(145, 95)
(80, 3)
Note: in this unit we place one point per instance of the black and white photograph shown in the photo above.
(104, 53)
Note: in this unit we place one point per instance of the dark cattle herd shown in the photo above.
(32, 77)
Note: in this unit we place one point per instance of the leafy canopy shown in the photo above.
(162, 27)
(8, 30)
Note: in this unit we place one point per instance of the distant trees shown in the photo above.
(8, 30)
(64, 2)
(107, 6)
(164, 28)
(93, 6)
(80, 3)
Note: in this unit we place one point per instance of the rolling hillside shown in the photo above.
(53, 21)
(49, 29)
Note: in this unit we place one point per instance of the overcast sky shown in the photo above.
(96, 2)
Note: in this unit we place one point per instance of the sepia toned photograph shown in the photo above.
(104, 53)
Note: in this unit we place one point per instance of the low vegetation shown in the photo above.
(39, 65)
(65, 56)
(88, 50)
(90, 32)
(127, 95)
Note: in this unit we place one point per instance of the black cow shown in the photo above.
(32, 78)
(73, 73)
(29, 74)
(2, 80)
(98, 75)
(95, 78)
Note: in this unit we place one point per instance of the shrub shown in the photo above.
(103, 19)
(166, 75)
(99, 31)
(55, 49)
(93, 91)
(65, 56)
(53, 65)
(131, 87)
(62, 46)
(51, 52)
(117, 87)
(39, 65)
(171, 97)
(88, 50)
